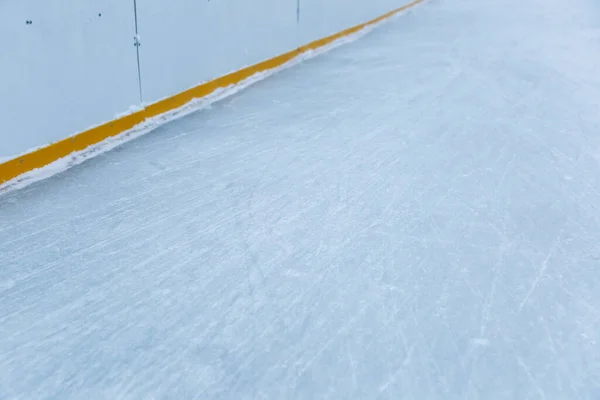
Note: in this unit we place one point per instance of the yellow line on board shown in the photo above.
(322, 42)
(39, 158)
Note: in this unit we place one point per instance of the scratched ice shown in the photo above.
(415, 215)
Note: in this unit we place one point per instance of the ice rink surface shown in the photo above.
(415, 215)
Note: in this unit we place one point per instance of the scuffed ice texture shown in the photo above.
(412, 216)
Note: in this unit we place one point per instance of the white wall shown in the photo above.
(68, 70)
(197, 41)
(75, 66)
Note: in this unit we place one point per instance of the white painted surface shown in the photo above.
(198, 41)
(69, 70)
(321, 18)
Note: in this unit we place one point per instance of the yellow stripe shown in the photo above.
(55, 151)
(322, 42)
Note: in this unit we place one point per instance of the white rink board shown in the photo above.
(196, 42)
(73, 67)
